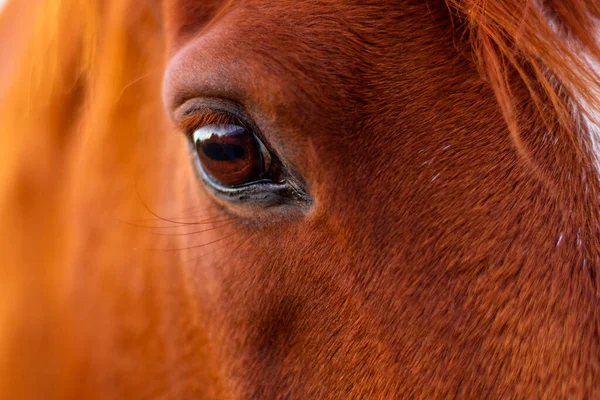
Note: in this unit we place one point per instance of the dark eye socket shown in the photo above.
(232, 160)
(230, 153)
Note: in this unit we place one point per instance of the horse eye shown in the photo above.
(231, 155)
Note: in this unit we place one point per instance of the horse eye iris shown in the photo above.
(230, 154)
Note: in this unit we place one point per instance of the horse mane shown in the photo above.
(78, 94)
(552, 46)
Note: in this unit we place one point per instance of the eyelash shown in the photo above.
(197, 119)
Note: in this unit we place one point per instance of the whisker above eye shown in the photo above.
(204, 222)
(196, 232)
(181, 223)
(203, 244)
(224, 246)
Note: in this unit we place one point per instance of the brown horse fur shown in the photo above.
(452, 246)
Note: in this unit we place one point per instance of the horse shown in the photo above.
(260, 199)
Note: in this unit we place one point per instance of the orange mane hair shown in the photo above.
(540, 42)
(80, 96)
(549, 45)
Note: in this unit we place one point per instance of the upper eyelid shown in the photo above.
(210, 104)
(216, 107)
(196, 112)
(196, 119)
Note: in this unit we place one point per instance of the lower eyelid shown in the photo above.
(265, 194)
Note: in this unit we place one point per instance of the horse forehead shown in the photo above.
(315, 54)
(189, 17)
(206, 9)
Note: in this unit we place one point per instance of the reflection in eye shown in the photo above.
(235, 164)
(231, 154)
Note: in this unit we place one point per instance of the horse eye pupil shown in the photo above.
(223, 151)
(230, 154)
